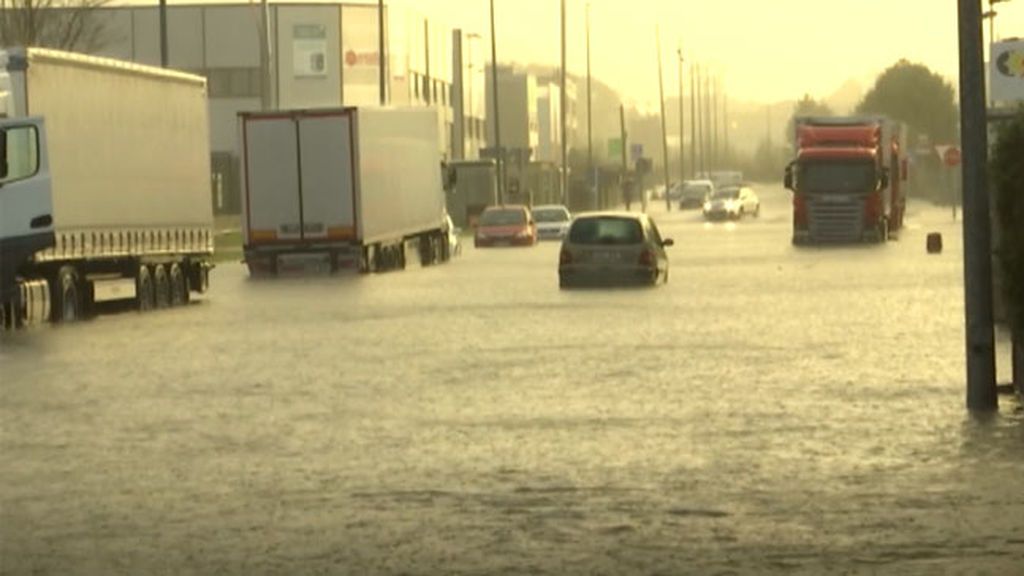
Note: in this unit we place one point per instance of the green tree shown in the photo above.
(1007, 172)
(73, 25)
(806, 106)
(915, 95)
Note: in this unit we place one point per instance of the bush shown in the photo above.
(1007, 174)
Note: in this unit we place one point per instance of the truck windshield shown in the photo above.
(837, 177)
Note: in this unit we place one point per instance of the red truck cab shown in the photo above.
(847, 179)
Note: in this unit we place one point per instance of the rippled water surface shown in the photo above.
(771, 409)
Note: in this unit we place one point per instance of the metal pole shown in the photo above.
(699, 94)
(562, 105)
(707, 121)
(682, 163)
(591, 179)
(266, 55)
(693, 126)
(163, 33)
(625, 164)
(981, 378)
(664, 128)
(713, 97)
(725, 133)
(381, 64)
(497, 116)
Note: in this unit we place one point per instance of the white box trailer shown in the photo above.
(106, 184)
(345, 188)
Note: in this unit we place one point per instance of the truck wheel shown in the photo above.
(67, 296)
(179, 286)
(144, 289)
(161, 287)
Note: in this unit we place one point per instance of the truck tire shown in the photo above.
(161, 287)
(179, 286)
(66, 295)
(144, 289)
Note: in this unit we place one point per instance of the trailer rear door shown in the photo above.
(325, 144)
(273, 212)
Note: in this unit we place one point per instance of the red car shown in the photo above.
(509, 225)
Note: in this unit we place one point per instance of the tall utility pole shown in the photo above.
(266, 55)
(713, 107)
(381, 57)
(499, 152)
(664, 128)
(725, 120)
(163, 33)
(707, 120)
(625, 165)
(693, 125)
(591, 177)
(981, 369)
(682, 163)
(562, 105)
(699, 94)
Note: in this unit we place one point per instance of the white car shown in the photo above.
(552, 221)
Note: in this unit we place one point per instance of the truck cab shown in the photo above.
(844, 190)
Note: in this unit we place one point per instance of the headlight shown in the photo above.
(707, 206)
(523, 234)
(730, 205)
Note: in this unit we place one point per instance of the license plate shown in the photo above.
(605, 257)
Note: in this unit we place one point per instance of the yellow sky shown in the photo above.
(764, 50)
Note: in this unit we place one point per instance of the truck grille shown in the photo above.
(835, 219)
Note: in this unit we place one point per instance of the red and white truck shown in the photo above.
(344, 188)
(849, 179)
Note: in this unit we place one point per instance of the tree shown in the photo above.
(917, 96)
(1007, 172)
(73, 25)
(806, 106)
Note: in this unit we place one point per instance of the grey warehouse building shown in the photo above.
(320, 55)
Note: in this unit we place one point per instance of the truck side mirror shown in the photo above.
(787, 181)
(449, 177)
(884, 179)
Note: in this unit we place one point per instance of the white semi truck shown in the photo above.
(344, 188)
(104, 185)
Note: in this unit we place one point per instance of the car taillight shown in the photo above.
(565, 257)
(647, 258)
(799, 211)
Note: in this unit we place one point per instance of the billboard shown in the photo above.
(1006, 71)
(309, 50)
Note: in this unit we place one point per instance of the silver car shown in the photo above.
(617, 248)
(552, 221)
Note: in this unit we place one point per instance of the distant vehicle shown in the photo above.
(454, 244)
(732, 202)
(723, 178)
(552, 221)
(849, 179)
(475, 188)
(506, 225)
(694, 193)
(318, 194)
(104, 186)
(613, 248)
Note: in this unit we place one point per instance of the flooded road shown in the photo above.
(770, 410)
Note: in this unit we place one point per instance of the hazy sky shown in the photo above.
(764, 50)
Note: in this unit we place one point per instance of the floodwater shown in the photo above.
(770, 410)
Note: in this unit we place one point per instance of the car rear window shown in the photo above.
(606, 230)
(502, 217)
(551, 215)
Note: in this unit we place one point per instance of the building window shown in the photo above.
(233, 82)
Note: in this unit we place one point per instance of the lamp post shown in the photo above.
(562, 106)
(591, 179)
(163, 33)
(381, 60)
(497, 116)
(682, 167)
